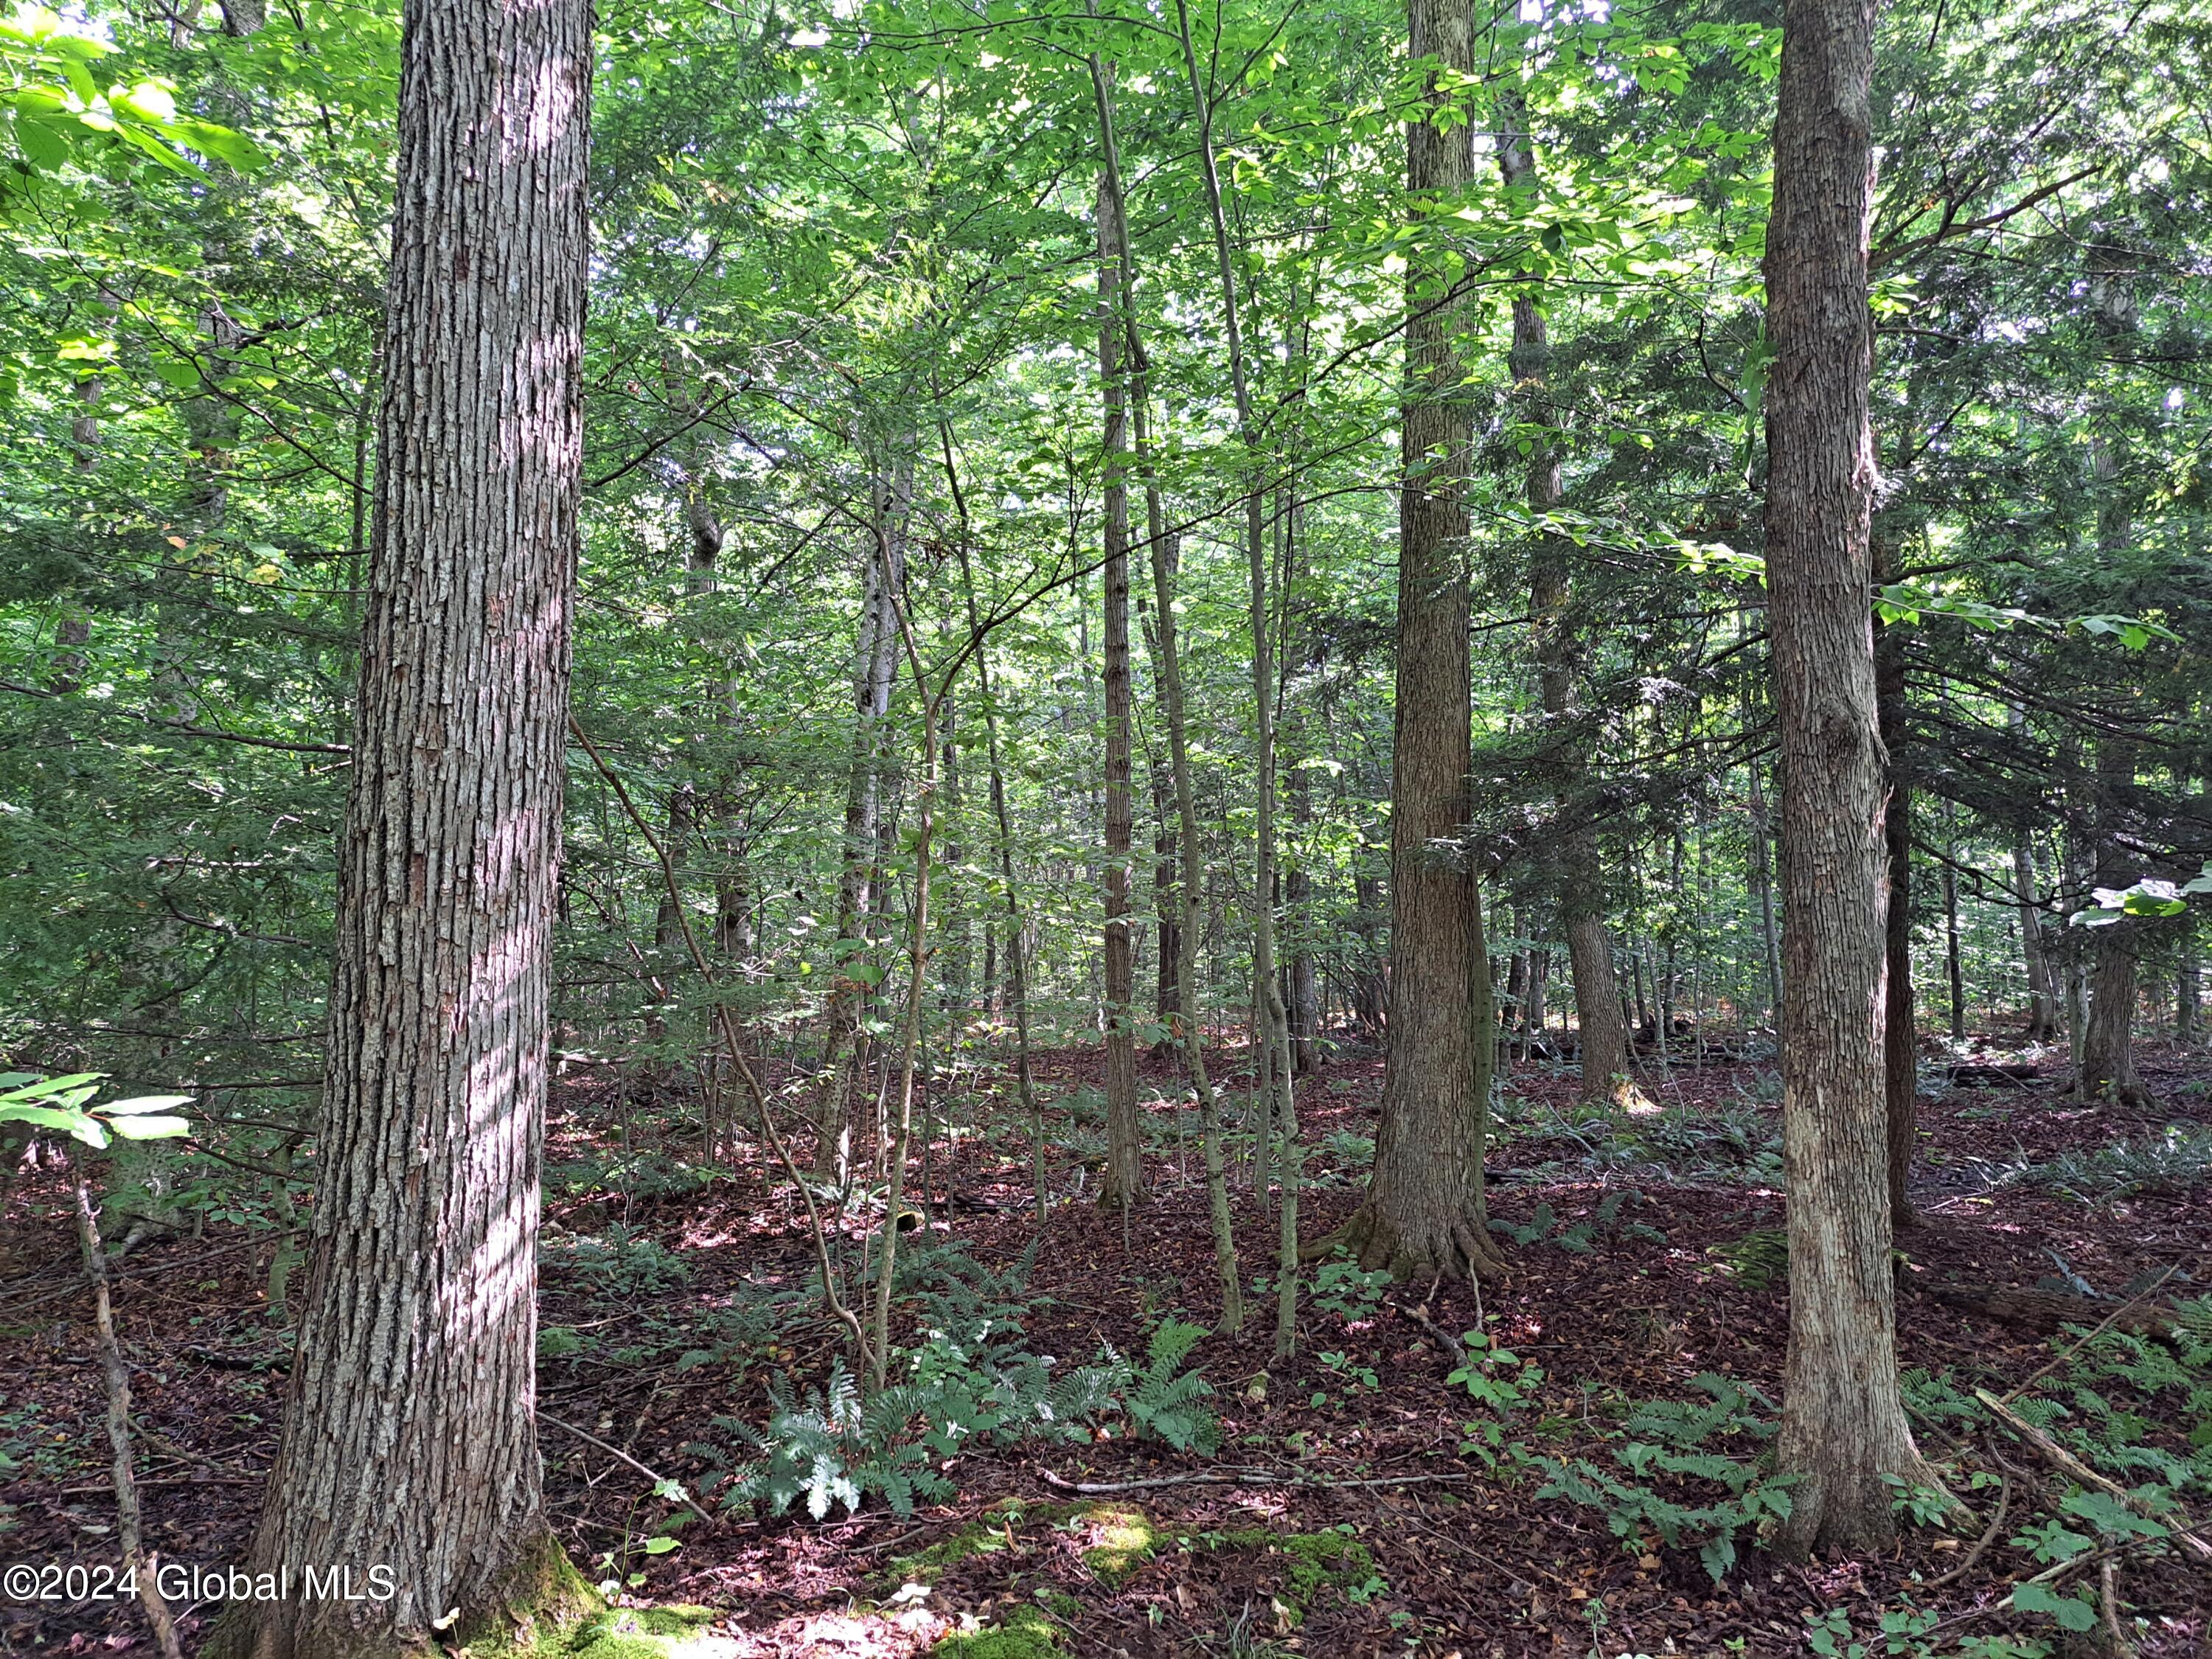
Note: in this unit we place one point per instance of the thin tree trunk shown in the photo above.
(1843, 1430)
(410, 1434)
(139, 1567)
(2107, 1068)
(1607, 1066)
(2035, 958)
(917, 989)
(1762, 876)
(861, 892)
(1953, 961)
(1900, 1026)
(1018, 987)
(1122, 1183)
(1424, 1211)
(1163, 551)
(2108, 1064)
(1276, 1035)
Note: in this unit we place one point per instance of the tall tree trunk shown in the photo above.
(410, 1435)
(1900, 1027)
(1607, 1067)
(1424, 1211)
(2108, 1061)
(1954, 961)
(1842, 1420)
(1123, 1180)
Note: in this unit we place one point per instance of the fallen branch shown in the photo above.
(658, 1478)
(2110, 1319)
(1245, 1477)
(2074, 1469)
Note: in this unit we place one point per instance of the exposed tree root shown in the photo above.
(1453, 1248)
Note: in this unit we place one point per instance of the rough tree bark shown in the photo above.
(1842, 1420)
(1424, 1211)
(410, 1436)
(1607, 1066)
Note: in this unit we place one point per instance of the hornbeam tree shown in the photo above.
(410, 1436)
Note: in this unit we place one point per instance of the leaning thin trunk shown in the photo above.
(1018, 986)
(1192, 888)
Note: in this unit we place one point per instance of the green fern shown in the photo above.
(1165, 1399)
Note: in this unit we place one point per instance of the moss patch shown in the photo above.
(1024, 1634)
(1320, 1562)
(539, 1607)
(1121, 1536)
(1326, 1561)
(672, 1632)
(979, 1538)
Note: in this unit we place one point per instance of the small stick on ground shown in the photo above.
(2108, 1592)
(658, 1478)
(1997, 1521)
(143, 1568)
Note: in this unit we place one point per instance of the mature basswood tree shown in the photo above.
(1424, 1211)
(1842, 1419)
(410, 1435)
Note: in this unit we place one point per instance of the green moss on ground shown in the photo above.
(1320, 1562)
(978, 1538)
(1024, 1633)
(670, 1632)
(1121, 1536)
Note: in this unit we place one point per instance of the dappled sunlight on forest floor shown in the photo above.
(1374, 1495)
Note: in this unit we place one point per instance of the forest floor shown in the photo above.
(1362, 1501)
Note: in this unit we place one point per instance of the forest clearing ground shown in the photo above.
(1435, 1555)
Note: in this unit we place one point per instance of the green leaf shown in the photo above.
(2070, 1614)
(139, 1105)
(150, 1128)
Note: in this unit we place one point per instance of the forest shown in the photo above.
(1008, 828)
